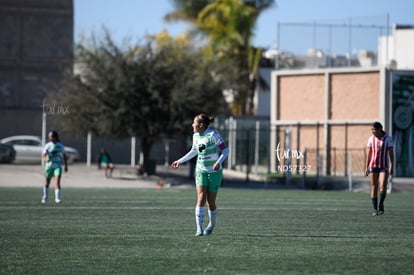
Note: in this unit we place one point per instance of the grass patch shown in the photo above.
(107, 231)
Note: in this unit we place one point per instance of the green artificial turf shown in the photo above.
(137, 231)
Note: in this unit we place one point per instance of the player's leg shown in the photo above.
(212, 212)
(383, 180)
(105, 166)
(111, 169)
(201, 187)
(374, 176)
(199, 209)
(58, 176)
(46, 190)
(214, 184)
(48, 178)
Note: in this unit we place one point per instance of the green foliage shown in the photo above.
(150, 90)
(186, 10)
(141, 91)
(229, 26)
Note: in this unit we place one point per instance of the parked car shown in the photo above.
(29, 149)
(7, 153)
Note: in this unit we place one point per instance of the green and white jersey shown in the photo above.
(206, 145)
(54, 151)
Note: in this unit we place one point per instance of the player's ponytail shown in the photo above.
(205, 119)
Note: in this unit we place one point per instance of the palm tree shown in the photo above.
(229, 25)
(186, 10)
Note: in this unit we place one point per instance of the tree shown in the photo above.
(186, 10)
(229, 25)
(149, 90)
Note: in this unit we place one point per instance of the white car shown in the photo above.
(29, 149)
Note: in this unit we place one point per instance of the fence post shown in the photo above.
(304, 170)
(298, 145)
(232, 143)
(247, 155)
(350, 173)
(44, 136)
(346, 147)
(288, 146)
(318, 168)
(256, 148)
(133, 146)
(317, 151)
(88, 149)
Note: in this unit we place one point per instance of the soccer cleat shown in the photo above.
(44, 200)
(208, 230)
(381, 209)
(199, 233)
(374, 212)
(58, 200)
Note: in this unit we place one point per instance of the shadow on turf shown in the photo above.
(307, 236)
(178, 178)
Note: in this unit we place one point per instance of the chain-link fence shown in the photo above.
(339, 42)
(248, 141)
(342, 162)
(250, 152)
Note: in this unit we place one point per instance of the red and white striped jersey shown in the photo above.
(379, 148)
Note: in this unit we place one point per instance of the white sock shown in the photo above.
(199, 215)
(45, 193)
(57, 194)
(212, 215)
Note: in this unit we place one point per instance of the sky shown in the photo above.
(323, 27)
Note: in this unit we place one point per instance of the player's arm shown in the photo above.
(192, 153)
(391, 155)
(224, 153)
(369, 154)
(65, 161)
(45, 154)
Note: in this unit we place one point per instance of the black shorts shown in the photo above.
(378, 170)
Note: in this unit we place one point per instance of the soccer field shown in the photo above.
(138, 231)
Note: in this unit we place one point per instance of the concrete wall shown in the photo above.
(397, 47)
(403, 47)
(36, 45)
(327, 113)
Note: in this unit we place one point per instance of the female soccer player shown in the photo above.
(379, 148)
(54, 155)
(211, 151)
(105, 162)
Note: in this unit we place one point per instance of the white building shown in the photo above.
(397, 50)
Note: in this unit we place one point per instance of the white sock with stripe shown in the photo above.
(199, 215)
(57, 195)
(212, 215)
(45, 193)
